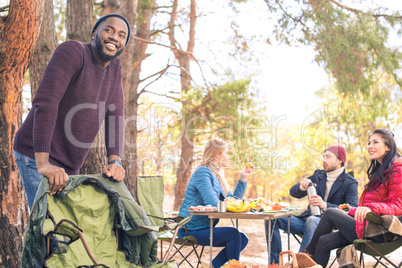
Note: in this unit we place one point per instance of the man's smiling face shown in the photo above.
(110, 38)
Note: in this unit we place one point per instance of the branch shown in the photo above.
(297, 20)
(165, 7)
(163, 95)
(160, 75)
(173, 98)
(161, 72)
(136, 63)
(5, 8)
(162, 45)
(357, 12)
(158, 31)
(193, 17)
(171, 23)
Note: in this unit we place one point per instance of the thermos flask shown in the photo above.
(315, 210)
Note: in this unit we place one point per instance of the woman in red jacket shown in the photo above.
(382, 195)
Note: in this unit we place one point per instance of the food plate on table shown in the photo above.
(207, 208)
(202, 211)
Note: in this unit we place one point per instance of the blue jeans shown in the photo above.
(228, 237)
(325, 239)
(297, 226)
(30, 176)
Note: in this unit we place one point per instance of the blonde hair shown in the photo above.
(214, 147)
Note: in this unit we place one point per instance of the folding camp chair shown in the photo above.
(86, 210)
(377, 250)
(150, 194)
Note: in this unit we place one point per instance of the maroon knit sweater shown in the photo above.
(75, 96)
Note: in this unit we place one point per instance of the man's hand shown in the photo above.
(316, 200)
(56, 175)
(361, 212)
(114, 171)
(304, 183)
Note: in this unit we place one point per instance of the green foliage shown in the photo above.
(60, 20)
(350, 44)
(219, 108)
(143, 4)
(233, 113)
(98, 10)
(229, 111)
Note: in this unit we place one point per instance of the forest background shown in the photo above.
(197, 69)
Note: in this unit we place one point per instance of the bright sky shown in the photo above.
(287, 77)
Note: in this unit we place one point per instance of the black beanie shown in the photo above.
(113, 15)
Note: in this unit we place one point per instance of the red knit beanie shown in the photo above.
(339, 151)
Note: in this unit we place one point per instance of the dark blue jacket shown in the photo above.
(344, 190)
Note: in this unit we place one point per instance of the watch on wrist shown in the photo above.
(117, 162)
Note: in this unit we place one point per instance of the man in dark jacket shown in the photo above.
(334, 187)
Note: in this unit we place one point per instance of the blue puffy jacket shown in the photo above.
(204, 189)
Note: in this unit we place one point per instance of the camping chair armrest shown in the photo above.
(177, 225)
(168, 219)
(371, 217)
(183, 221)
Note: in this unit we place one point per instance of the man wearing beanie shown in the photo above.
(334, 187)
(81, 88)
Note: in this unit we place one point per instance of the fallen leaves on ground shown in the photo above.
(238, 264)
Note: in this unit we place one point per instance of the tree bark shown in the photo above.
(79, 24)
(130, 85)
(79, 20)
(18, 35)
(45, 46)
(187, 150)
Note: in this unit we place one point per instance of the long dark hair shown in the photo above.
(376, 170)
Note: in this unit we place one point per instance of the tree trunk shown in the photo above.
(96, 158)
(79, 23)
(187, 150)
(45, 46)
(130, 85)
(79, 20)
(18, 35)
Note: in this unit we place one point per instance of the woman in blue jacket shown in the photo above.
(207, 186)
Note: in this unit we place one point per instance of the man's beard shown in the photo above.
(105, 57)
(330, 168)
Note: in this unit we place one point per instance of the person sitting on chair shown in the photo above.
(207, 186)
(333, 186)
(382, 195)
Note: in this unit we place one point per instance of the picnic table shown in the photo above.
(249, 216)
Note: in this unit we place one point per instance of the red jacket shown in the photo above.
(386, 200)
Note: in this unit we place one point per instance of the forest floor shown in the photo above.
(256, 251)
